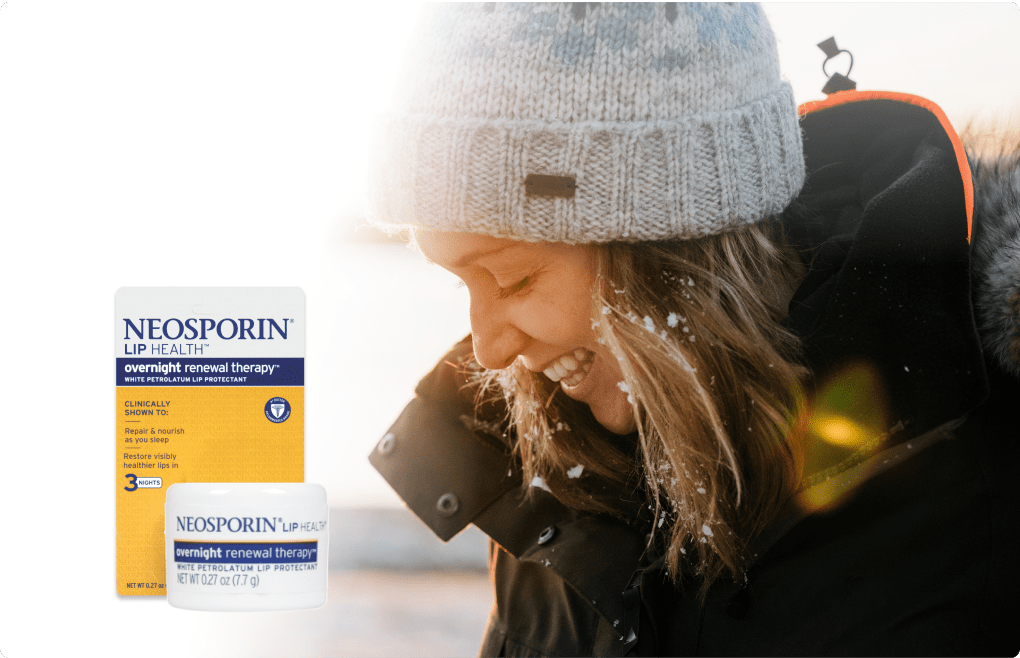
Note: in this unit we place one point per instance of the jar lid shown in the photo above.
(245, 493)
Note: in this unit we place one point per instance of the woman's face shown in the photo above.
(532, 301)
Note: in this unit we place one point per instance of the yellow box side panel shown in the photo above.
(192, 434)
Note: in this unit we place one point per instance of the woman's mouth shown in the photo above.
(571, 368)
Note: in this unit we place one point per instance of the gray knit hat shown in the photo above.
(589, 123)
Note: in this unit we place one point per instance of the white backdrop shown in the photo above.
(221, 143)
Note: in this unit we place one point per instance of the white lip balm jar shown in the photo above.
(246, 546)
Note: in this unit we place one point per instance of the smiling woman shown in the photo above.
(590, 321)
(704, 407)
(531, 304)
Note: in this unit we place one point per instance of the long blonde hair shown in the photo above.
(715, 385)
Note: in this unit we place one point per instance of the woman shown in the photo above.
(711, 404)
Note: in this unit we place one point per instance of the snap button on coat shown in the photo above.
(386, 444)
(737, 607)
(547, 534)
(447, 505)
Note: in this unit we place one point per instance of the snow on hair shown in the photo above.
(716, 389)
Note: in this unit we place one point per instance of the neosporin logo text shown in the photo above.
(242, 329)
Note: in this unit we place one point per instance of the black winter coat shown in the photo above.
(909, 547)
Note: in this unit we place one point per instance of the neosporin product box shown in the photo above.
(210, 388)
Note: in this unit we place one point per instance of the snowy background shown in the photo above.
(221, 143)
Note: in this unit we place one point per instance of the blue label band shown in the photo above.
(246, 552)
(211, 372)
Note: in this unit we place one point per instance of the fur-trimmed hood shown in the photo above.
(995, 258)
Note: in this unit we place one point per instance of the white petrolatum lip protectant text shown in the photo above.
(246, 546)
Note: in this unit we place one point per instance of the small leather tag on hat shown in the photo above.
(550, 186)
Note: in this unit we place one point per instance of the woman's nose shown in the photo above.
(496, 340)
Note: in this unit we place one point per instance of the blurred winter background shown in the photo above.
(223, 143)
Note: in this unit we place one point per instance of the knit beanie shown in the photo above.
(584, 123)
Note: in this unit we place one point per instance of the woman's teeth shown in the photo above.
(571, 368)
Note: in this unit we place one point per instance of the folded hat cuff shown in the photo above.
(611, 181)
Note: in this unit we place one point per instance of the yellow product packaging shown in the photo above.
(210, 388)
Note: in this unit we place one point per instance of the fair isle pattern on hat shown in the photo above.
(653, 121)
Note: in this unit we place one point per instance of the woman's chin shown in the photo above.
(601, 391)
(615, 415)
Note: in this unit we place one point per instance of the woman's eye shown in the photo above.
(510, 291)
